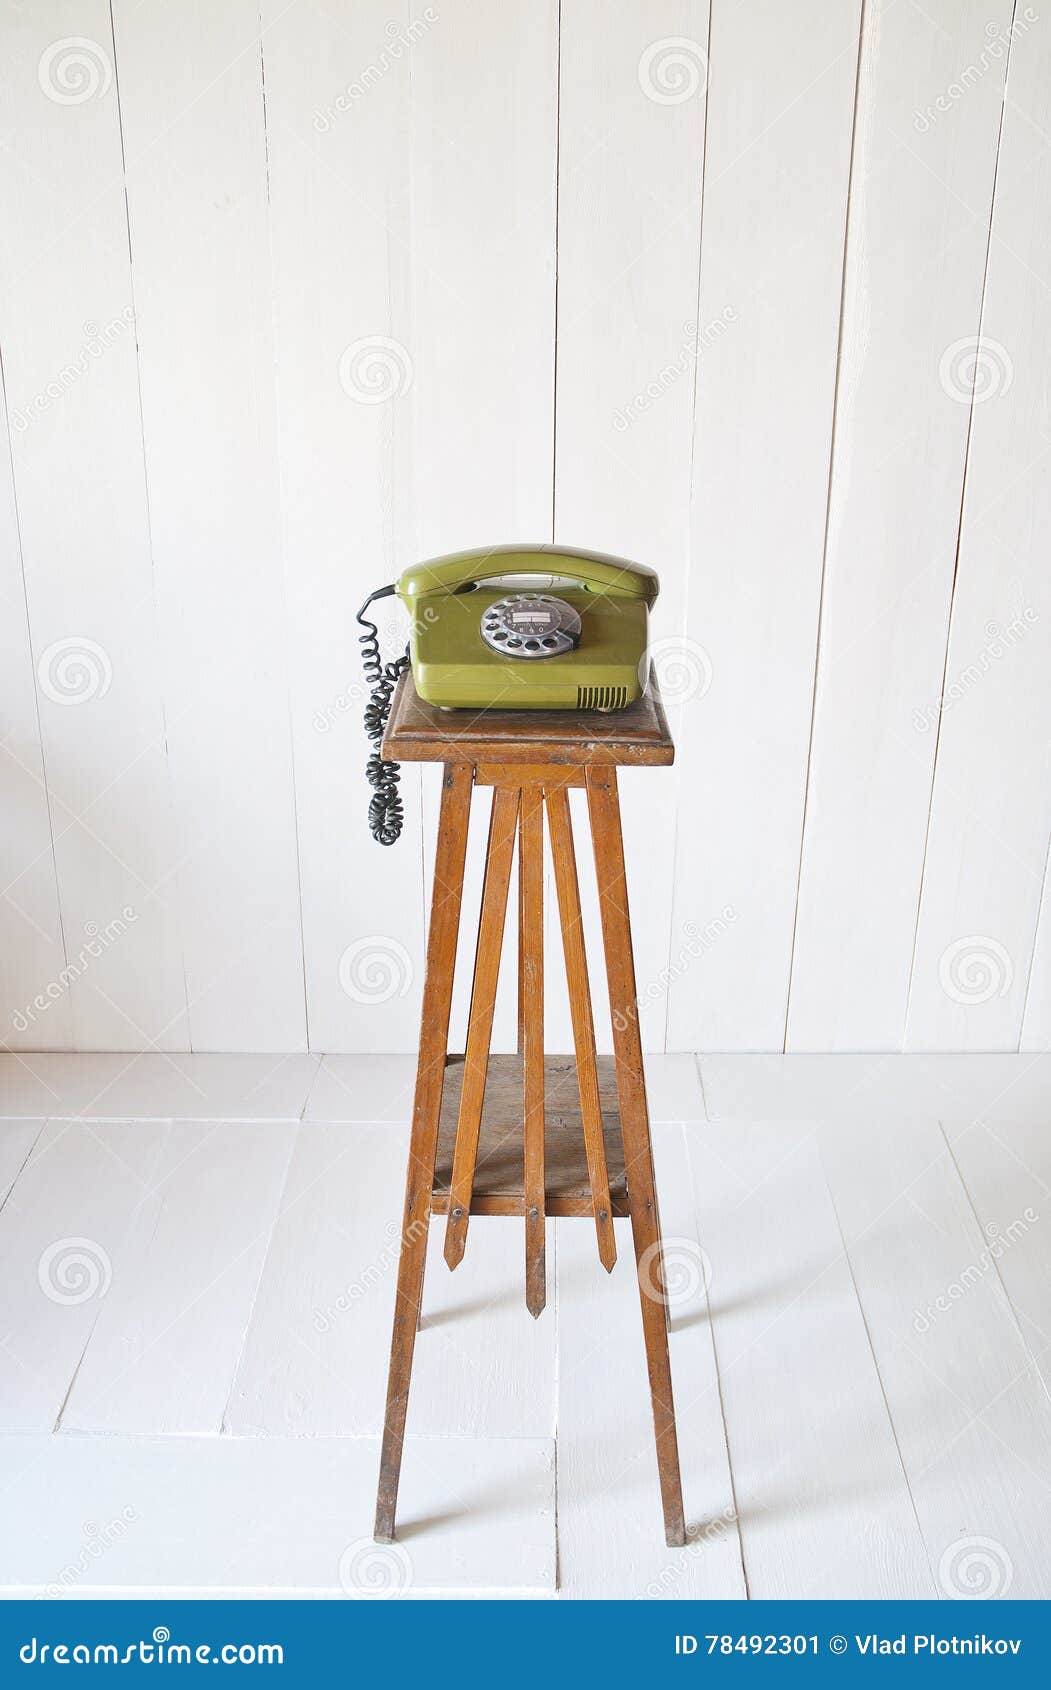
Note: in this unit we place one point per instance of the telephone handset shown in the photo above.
(513, 627)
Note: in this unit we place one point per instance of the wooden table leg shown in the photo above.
(521, 953)
(604, 810)
(430, 1074)
(531, 955)
(480, 1026)
(563, 856)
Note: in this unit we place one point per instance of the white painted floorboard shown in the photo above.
(876, 1087)
(157, 1087)
(315, 1362)
(1006, 1170)
(166, 1345)
(822, 1502)
(864, 1387)
(970, 1412)
(63, 1240)
(610, 1531)
(282, 1515)
(17, 1139)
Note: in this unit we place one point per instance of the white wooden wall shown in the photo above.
(756, 291)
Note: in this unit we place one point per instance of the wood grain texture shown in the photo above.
(480, 1021)
(608, 843)
(531, 950)
(572, 930)
(421, 732)
(419, 1179)
(498, 1182)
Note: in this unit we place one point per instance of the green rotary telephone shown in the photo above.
(509, 628)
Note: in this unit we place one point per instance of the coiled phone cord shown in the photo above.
(385, 811)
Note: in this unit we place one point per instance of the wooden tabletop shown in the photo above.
(425, 733)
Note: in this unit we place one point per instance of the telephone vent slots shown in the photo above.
(602, 698)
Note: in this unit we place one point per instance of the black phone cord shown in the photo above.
(385, 809)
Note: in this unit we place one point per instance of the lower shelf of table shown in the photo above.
(499, 1172)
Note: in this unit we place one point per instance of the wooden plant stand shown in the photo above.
(529, 1135)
